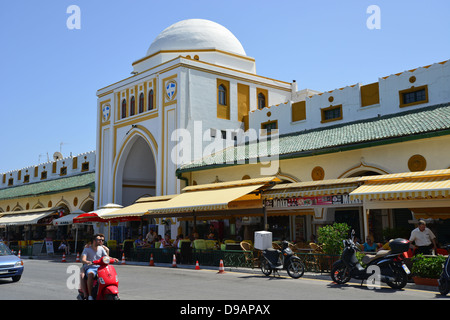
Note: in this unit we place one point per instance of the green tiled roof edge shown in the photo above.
(70, 183)
(409, 125)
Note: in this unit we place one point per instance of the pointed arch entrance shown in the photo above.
(371, 225)
(135, 174)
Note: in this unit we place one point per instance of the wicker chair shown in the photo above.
(316, 248)
(311, 261)
(292, 247)
(317, 262)
(249, 255)
(276, 246)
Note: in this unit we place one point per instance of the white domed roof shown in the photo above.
(195, 34)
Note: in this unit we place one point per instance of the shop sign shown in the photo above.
(339, 200)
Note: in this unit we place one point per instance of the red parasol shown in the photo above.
(94, 217)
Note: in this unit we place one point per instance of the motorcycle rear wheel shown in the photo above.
(401, 278)
(444, 286)
(340, 273)
(295, 269)
(265, 267)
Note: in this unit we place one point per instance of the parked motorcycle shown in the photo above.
(444, 280)
(274, 260)
(106, 283)
(392, 268)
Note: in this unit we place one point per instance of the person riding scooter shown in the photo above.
(90, 254)
(83, 283)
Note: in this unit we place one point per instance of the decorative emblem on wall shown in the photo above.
(106, 112)
(317, 173)
(417, 163)
(171, 90)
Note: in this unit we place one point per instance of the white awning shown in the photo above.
(215, 196)
(139, 208)
(312, 188)
(216, 199)
(404, 188)
(68, 219)
(20, 218)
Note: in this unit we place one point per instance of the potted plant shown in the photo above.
(426, 270)
(331, 238)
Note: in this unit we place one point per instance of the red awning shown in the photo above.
(87, 217)
(94, 217)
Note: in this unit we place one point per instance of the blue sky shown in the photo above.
(50, 74)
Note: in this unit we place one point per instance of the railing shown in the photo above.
(314, 262)
(231, 258)
(318, 262)
(24, 250)
(27, 250)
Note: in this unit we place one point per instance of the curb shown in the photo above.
(307, 275)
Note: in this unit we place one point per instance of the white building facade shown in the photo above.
(196, 92)
(196, 77)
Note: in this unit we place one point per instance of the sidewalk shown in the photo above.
(257, 271)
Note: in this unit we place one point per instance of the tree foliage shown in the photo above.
(331, 237)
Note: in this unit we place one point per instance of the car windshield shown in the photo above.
(4, 250)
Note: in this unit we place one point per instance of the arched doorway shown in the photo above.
(364, 173)
(138, 172)
(87, 206)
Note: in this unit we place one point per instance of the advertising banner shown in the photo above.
(336, 200)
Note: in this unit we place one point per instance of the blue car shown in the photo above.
(10, 265)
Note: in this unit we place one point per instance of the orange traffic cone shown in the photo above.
(152, 263)
(174, 262)
(18, 256)
(123, 258)
(221, 267)
(64, 258)
(78, 257)
(197, 267)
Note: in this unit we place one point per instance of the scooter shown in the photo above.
(391, 266)
(106, 284)
(274, 260)
(444, 280)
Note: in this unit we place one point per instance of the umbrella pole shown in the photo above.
(266, 226)
(195, 221)
(76, 238)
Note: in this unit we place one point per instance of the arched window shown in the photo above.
(261, 101)
(222, 95)
(124, 108)
(132, 106)
(141, 102)
(150, 100)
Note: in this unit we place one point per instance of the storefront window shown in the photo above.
(376, 225)
(279, 226)
(350, 217)
(299, 229)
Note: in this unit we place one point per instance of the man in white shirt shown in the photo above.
(423, 238)
(151, 235)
